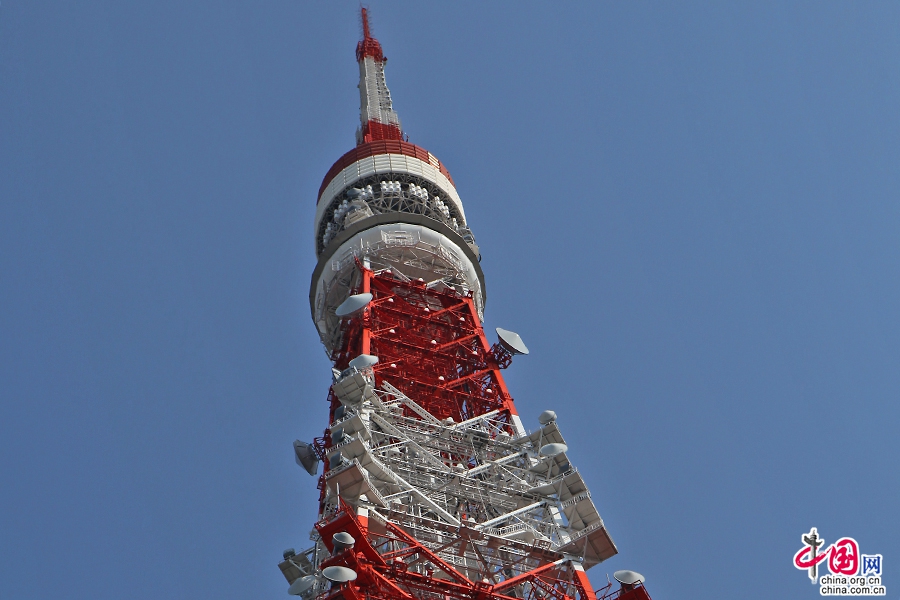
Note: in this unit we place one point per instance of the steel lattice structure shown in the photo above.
(432, 489)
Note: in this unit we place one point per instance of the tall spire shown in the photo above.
(431, 487)
(378, 121)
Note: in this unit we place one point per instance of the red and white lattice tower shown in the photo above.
(432, 488)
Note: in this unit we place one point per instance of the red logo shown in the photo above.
(844, 559)
(843, 555)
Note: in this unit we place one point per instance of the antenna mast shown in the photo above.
(432, 488)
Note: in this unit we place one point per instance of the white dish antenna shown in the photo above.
(306, 457)
(553, 449)
(363, 360)
(339, 574)
(353, 304)
(342, 541)
(302, 585)
(628, 577)
(511, 341)
(547, 417)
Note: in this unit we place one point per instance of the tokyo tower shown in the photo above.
(432, 488)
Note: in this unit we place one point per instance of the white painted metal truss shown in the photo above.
(375, 195)
(396, 167)
(374, 95)
(484, 500)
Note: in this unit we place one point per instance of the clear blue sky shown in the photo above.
(688, 211)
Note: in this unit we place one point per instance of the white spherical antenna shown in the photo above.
(553, 449)
(364, 360)
(511, 341)
(301, 585)
(339, 574)
(353, 304)
(628, 577)
(546, 417)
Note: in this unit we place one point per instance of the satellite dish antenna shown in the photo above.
(547, 417)
(342, 541)
(363, 360)
(353, 304)
(511, 341)
(339, 574)
(553, 449)
(629, 578)
(302, 585)
(306, 457)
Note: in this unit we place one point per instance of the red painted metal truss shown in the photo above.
(392, 565)
(373, 131)
(368, 46)
(432, 348)
(430, 345)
